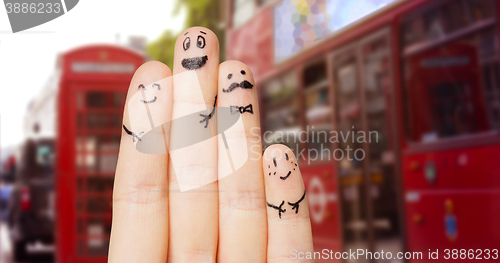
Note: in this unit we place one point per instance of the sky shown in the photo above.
(28, 58)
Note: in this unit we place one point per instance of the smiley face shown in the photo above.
(290, 164)
(245, 84)
(194, 63)
(143, 89)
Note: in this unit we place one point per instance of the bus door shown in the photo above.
(365, 123)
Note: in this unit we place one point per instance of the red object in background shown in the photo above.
(423, 73)
(321, 188)
(92, 91)
(25, 198)
(10, 163)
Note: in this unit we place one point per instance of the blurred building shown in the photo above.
(410, 89)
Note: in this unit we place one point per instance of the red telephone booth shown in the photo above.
(92, 91)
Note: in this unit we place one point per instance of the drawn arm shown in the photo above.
(278, 208)
(295, 206)
(135, 136)
(206, 118)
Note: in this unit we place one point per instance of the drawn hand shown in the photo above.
(228, 220)
(208, 117)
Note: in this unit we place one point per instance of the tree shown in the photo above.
(206, 13)
(162, 49)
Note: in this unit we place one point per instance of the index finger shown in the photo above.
(139, 231)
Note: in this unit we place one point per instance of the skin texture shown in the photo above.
(242, 212)
(140, 195)
(197, 210)
(227, 220)
(295, 226)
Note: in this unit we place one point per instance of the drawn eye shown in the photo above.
(156, 85)
(243, 72)
(200, 42)
(229, 76)
(142, 87)
(186, 44)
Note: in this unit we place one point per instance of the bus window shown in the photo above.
(347, 108)
(451, 81)
(37, 160)
(318, 111)
(377, 88)
(281, 104)
(350, 170)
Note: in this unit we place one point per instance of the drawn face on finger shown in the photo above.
(149, 106)
(195, 42)
(282, 166)
(237, 80)
(149, 95)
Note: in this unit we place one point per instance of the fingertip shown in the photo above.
(277, 152)
(147, 74)
(236, 68)
(234, 71)
(203, 30)
(195, 48)
(149, 98)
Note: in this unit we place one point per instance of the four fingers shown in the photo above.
(189, 216)
(288, 222)
(242, 211)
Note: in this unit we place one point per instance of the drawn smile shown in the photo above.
(284, 177)
(194, 63)
(149, 101)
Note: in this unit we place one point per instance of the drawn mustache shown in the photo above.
(194, 63)
(244, 85)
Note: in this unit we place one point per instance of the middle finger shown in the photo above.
(193, 200)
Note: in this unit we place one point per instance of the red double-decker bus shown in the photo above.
(410, 89)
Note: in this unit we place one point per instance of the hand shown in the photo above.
(258, 213)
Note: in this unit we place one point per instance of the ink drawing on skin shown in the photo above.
(142, 89)
(195, 62)
(135, 136)
(149, 116)
(193, 127)
(155, 98)
(245, 84)
(291, 167)
(295, 206)
(207, 117)
(279, 208)
(241, 109)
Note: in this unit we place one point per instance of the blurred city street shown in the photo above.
(5, 247)
(38, 253)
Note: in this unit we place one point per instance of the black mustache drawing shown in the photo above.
(244, 85)
(194, 63)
